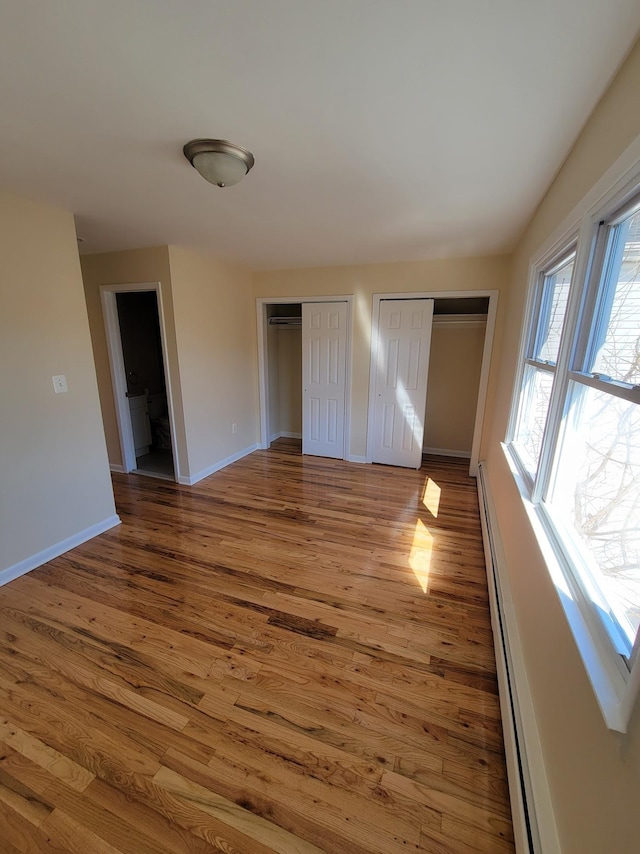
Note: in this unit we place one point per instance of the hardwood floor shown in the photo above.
(294, 656)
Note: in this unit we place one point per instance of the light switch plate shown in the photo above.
(59, 383)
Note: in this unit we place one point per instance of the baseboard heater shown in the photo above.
(530, 837)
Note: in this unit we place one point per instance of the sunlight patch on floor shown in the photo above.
(420, 557)
(431, 497)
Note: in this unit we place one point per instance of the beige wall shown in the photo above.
(460, 274)
(215, 324)
(593, 773)
(120, 268)
(452, 391)
(53, 461)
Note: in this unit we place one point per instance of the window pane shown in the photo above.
(616, 347)
(596, 490)
(532, 415)
(555, 292)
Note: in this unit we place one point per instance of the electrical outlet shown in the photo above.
(59, 383)
(234, 428)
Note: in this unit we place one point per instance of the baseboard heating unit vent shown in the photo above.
(533, 821)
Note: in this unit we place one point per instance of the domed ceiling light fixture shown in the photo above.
(220, 162)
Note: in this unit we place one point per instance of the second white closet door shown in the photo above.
(404, 340)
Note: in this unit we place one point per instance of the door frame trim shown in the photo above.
(118, 373)
(263, 361)
(484, 372)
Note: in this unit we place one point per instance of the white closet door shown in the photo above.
(404, 339)
(324, 373)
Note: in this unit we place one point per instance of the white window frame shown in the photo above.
(614, 675)
(539, 271)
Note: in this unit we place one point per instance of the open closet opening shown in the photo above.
(457, 344)
(430, 357)
(304, 348)
(284, 348)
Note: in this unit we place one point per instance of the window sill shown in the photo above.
(615, 695)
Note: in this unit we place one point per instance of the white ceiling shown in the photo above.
(383, 130)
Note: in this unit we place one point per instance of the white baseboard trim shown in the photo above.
(274, 436)
(447, 452)
(189, 480)
(356, 458)
(116, 468)
(534, 823)
(36, 560)
(287, 435)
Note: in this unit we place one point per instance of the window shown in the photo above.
(575, 429)
(540, 362)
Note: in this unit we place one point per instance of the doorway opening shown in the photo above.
(146, 387)
(135, 338)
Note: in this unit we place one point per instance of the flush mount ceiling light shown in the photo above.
(218, 161)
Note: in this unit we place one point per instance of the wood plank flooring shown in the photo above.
(292, 656)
